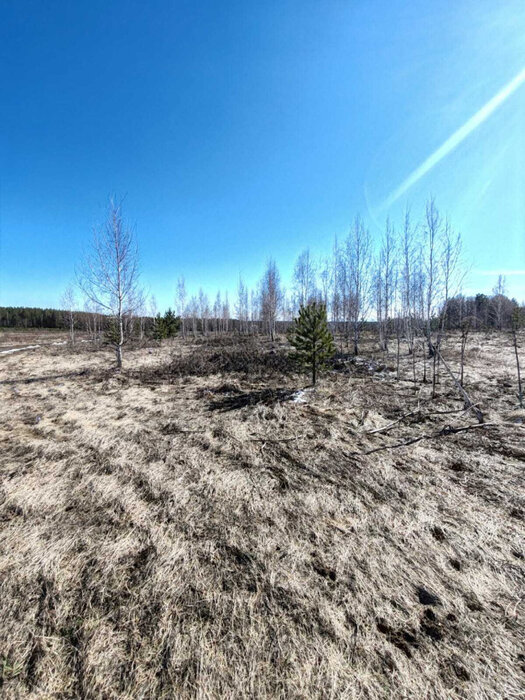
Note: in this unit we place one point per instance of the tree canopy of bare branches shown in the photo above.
(271, 297)
(109, 273)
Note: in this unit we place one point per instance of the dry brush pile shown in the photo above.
(221, 535)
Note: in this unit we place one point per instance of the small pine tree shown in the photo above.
(111, 333)
(165, 326)
(311, 338)
(171, 324)
(158, 331)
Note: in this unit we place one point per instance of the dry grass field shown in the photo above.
(168, 532)
(16, 339)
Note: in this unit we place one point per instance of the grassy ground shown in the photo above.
(10, 339)
(168, 533)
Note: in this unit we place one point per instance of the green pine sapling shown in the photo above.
(311, 338)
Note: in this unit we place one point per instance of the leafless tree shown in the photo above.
(69, 305)
(255, 310)
(407, 280)
(93, 320)
(336, 278)
(304, 278)
(465, 330)
(357, 281)
(242, 306)
(378, 292)
(498, 300)
(385, 283)
(153, 309)
(270, 298)
(514, 330)
(192, 312)
(388, 256)
(450, 275)
(451, 272)
(216, 311)
(287, 306)
(142, 313)
(204, 311)
(225, 314)
(324, 281)
(431, 256)
(180, 303)
(109, 274)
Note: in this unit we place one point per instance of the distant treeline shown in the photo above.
(32, 317)
(481, 311)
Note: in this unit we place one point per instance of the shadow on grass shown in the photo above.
(35, 380)
(238, 399)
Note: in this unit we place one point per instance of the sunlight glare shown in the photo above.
(456, 138)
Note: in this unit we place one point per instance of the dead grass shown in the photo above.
(211, 537)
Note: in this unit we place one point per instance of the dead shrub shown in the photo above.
(245, 358)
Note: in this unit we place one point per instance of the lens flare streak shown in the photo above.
(456, 138)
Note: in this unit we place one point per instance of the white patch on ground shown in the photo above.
(27, 347)
(32, 347)
(301, 396)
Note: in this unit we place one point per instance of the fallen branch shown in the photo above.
(285, 439)
(384, 428)
(454, 410)
(447, 430)
(466, 398)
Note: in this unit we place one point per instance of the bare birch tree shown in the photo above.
(385, 278)
(287, 306)
(432, 231)
(94, 320)
(153, 308)
(358, 278)
(304, 277)
(142, 313)
(408, 280)
(204, 311)
(336, 287)
(241, 307)
(69, 305)
(270, 298)
(255, 310)
(498, 301)
(216, 311)
(192, 311)
(180, 303)
(387, 262)
(451, 272)
(225, 314)
(324, 281)
(109, 274)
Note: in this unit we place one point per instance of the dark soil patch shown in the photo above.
(438, 533)
(405, 640)
(426, 597)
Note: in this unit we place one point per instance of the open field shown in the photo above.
(12, 341)
(167, 532)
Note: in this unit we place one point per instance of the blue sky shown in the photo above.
(240, 130)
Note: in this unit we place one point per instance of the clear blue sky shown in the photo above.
(239, 130)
